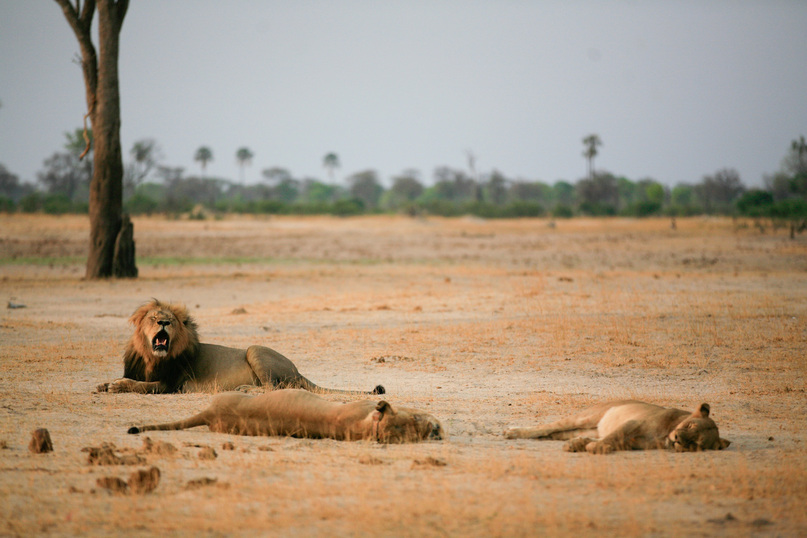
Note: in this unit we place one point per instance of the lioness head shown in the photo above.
(162, 331)
(404, 425)
(697, 432)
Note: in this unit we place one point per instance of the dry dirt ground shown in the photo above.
(487, 324)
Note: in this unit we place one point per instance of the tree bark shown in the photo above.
(123, 264)
(111, 245)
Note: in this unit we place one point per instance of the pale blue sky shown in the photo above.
(675, 89)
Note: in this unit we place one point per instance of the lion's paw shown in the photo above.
(103, 387)
(119, 385)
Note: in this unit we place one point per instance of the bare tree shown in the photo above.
(365, 187)
(66, 172)
(720, 190)
(146, 155)
(111, 232)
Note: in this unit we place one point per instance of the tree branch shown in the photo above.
(82, 26)
(123, 5)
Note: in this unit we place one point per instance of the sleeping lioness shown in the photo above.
(630, 425)
(299, 413)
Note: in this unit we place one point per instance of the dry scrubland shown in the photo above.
(488, 324)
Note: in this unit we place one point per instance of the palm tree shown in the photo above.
(203, 156)
(244, 158)
(591, 142)
(330, 161)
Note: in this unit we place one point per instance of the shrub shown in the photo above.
(791, 208)
(57, 204)
(755, 203)
(642, 209)
(7, 205)
(597, 209)
(344, 208)
(141, 203)
(32, 202)
(562, 211)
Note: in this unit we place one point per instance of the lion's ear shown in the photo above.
(382, 409)
(140, 313)
(180, 312)
(703, 411)
(723, 443)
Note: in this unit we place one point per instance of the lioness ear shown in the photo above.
(381, 409)
(703, 411)
(723, 443)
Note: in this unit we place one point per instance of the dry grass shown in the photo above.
(486, 324)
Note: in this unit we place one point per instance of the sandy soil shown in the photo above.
(487, 324)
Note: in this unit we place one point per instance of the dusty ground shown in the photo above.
(487, 324)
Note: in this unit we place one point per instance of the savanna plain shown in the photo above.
(486, 324)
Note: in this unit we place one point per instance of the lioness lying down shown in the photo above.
(164, 355)
(630, 425)
(298, 413)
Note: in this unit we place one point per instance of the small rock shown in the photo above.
(207, 453)
(112, 483)
(429, 462)
(200, 482)
(144, 481)
(12, 305)
(105, 455)
(40, 441)
(228, 446)
(722, 520)
(160, 447)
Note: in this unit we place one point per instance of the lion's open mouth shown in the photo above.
(160, 341)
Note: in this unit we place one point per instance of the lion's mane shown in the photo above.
(139, 361)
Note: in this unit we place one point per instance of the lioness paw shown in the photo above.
(512, 433)
(599, 448)
(577, 445)
(103, 387)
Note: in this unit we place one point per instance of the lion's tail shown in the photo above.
(307, 384)
(196, 420)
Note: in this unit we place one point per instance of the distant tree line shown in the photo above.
(152, 187)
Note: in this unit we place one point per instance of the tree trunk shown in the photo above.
(111, 245)
(124, 259)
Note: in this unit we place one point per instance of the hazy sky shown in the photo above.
(675, 89)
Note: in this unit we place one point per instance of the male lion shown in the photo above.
(630, 425)
(298, 413)
(164, 355)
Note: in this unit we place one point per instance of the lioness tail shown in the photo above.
(197, 420)
(307, 384)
